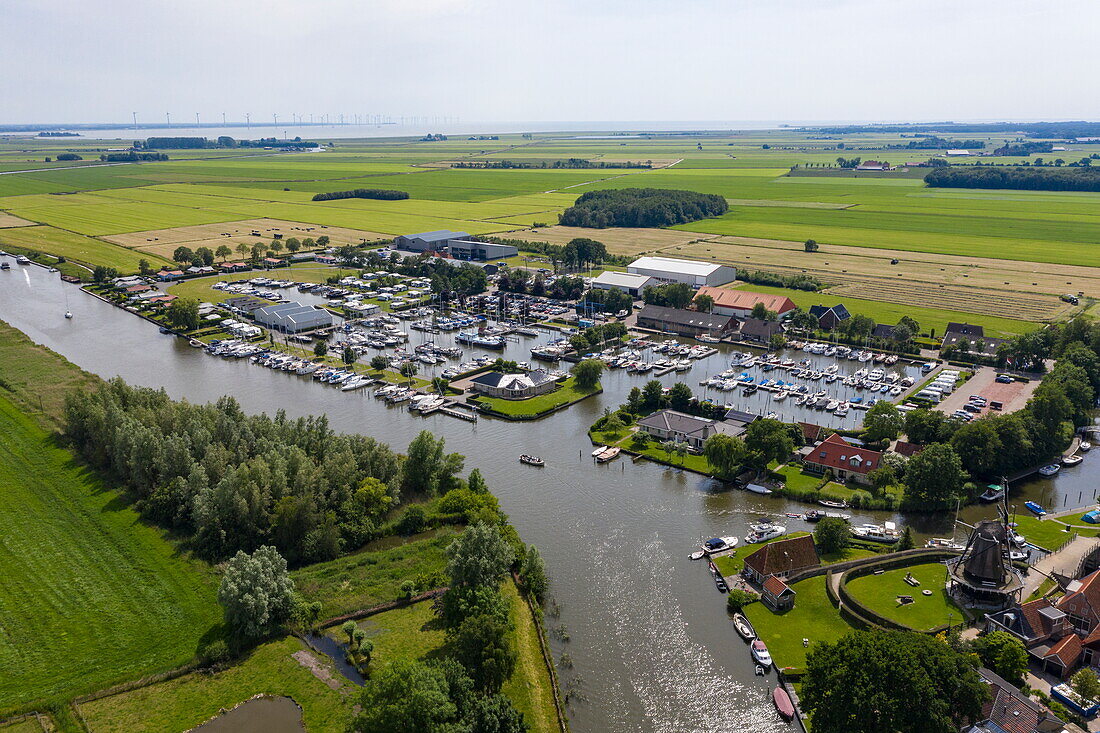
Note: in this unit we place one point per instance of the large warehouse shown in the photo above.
(695, 274)
(457, 244)
(292, 317)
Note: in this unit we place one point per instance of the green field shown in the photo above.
(77, 247)
(36, 379)
(813, 617)
(91, 596)
(879, 593)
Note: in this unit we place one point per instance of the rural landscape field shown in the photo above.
(972, 248)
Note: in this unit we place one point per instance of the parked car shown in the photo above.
(1004, 379)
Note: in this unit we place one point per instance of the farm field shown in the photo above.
(77, 247)
(91, 596)
(884, 312)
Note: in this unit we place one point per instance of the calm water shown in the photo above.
(652, 646)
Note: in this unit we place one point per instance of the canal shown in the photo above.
(651, 645)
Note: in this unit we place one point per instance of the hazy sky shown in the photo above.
(515, 60)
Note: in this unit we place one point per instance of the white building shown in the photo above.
(626, 281)
(958, 152)
(695, 274)
(293, 317)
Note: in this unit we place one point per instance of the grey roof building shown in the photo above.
(685, 322)
(458, 244)
(759, 330)
(428, 241)
(514, 386)
(684, 428)
(292, 317)
(829, 317)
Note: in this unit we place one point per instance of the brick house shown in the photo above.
(777, 595)
(846, 461)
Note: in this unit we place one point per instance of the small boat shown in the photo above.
(759, 671)
(758, 489)
(1035, 508)
(196, 343)
(68, 314)
(1067, 461)
(599, 450)
(4, 266)
(993, 492)
(887, 532)
(833, 504)
(941, 543)
(761, 654)
(1018, 555)
(783, 703)
(1084, 447)
(720, 583)
(744, 628)
(698, 555)
(718, 544)
(608, 454)
(1050, 469)
(531, 460)
(764, 532)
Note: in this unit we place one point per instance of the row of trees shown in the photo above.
(799, 281)
(641, 207)
(379, 194)
(567, 163)
(230, 481)
(611, 300)
(1028, 178)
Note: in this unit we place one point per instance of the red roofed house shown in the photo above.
(1009, 709)
(1058, 636)
(169, 274)
(234, 266)
(135, 289)
(739, 303)
(781, 558)
(844, 460)
(777, 595)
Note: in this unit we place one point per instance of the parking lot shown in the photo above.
(1012, 396)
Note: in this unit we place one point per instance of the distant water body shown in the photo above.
(459, 129)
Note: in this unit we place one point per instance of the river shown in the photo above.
(651, 644)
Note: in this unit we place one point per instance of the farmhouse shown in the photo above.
(872, 165)
(680, 427)
(781, 558)
(740, 303)
(514, 386)
(628, 282)
(830, 317)
(685, 322)
(845, 461)
(292, 317)
(970, 339)
(691, 272)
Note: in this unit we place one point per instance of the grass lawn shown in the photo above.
(848, 553)
(879, 592)
(91, 596)
(35, 378)
(29, 725)
(183, 703)
(366, 579)
(76, 247)
(565, 394)
(813, 617)
(1046, 533)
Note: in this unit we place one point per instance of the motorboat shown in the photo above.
(608, 454)
(760, 671)
(599, 450)
(993, 492)
(1035, 508)
(833, 504)
(940, 543)
(1067, 461)
(698, 555)
(1018, 555)
(719, 544)
(758, 489)
(744, 628)
(720, 583)
(887, 532)
(1050, 469)
(761, 654)
(783, 703)
(764, 532)
(68, 314)
(1084, 447)
(531, 460)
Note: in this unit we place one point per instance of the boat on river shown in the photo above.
(833, 504)
(1035, 508)
(993, 492)
(744, 628)
(887, 532)
(761, 654)
(608, 454)
(719, 544)
(764, 532)
(532, 460)
(1067, 461)
(1050, 469)
(783, 703)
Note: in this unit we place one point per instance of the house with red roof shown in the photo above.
(1009, 710)
(169, 275)
(781, 558)
(845, 461)
(777, 595)
(739, 303)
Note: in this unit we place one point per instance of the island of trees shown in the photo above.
(380, 194)
(1081, 177)
(567, 163)
(641, 207)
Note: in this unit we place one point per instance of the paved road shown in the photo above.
(1064, 562)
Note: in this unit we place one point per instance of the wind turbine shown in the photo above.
(168, 117)
(135, 120)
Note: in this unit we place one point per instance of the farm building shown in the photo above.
(292, 317)
(956, 153)
(465, 249)
(514, 386)
(628, 282)
(684, 322)
(458, 245)
(759, 331)
(730, 302)
(436, 241)
(691, 272)
(781, 558)
(872, 165)
(829, 317)
(683, 428)
(844, 460)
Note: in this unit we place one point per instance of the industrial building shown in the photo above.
(685, 322)
(458, 245)
(628, 282)
(695, 274)
(739, 303)
(292, 317)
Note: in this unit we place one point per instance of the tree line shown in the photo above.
(1025, 178)
(799, 281)
(641, 207)
(379, 194)
(934, 142)
(1024, 148)
(131, 157)
(573, 255)
(568, 163)
(231, 482)
(520, 280)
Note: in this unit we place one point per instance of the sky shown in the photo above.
(554, 60)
